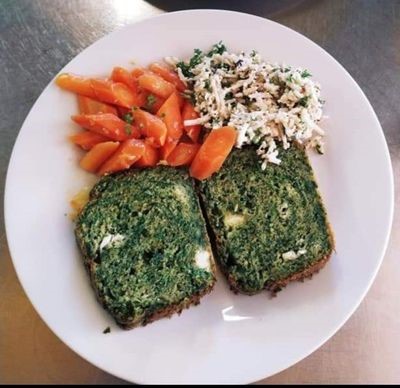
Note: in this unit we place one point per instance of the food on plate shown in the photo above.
(87, 140)
(168, 75)
(270, 226)
(157, 105)
(189, 113)
(150, 156)
(128, 153)
(170, 114)
(228, 129)
(156, 85)
(107, 125)
(144, 244)
(115, 93)
(213, 152)
(152, 126)
(89, 105)
(267, 103)
(98, 155)
(78, 201)
(183, 154)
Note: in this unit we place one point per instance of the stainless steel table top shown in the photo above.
(37, 38)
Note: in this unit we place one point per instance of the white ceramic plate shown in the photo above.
(228, 338)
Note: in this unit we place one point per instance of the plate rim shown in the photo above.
(385, 149)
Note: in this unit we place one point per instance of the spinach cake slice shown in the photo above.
(145, 245)
(270, 227)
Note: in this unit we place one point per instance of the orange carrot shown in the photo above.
(171, 115)
(153, 103)
(138, 71)
(146, 100)
(129, 152)
(188, 113)
(168, 74)
(76, 84)
(213, 152)
(122, 111)
(87, 140)
(181, 101)
(183, 154)
(108, 125)
(151, 126)
(88, 105)
(156, 85)
(168, 147)
(119, 74)
(98, 155)
(149, 158)
(115, 93)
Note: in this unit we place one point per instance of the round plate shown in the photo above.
(228, 338)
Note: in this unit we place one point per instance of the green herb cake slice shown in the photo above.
(270, 227)
(144, 243)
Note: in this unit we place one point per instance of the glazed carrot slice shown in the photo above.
(213, 152)
(156, 85)
(149, 158)
(108, 125)
(129, 152)
(183, 154)
(89, 105)
(115, 93)
(168, 147)
(153, 103)
(188, 113)
(168, 74)
(185, 138)
(123, 111)
(138, 71)
(76, 84)
(119, 74)
(171, 115)
(181, 101)
(87, 139)
(98, 155)
(150, 126)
